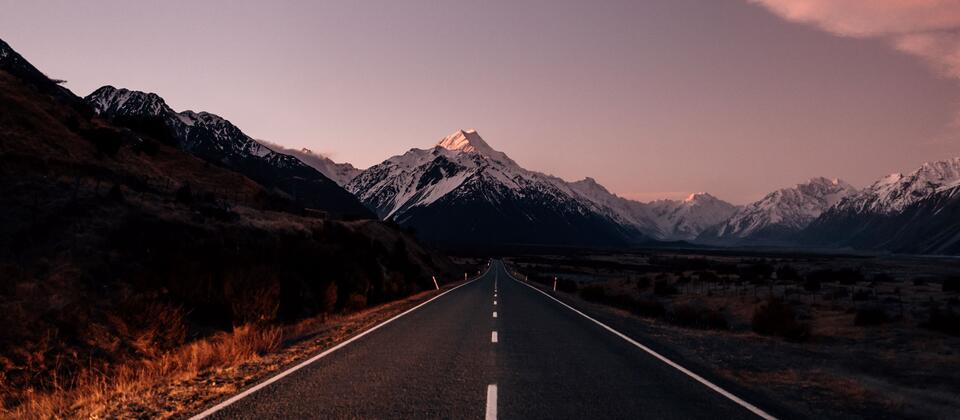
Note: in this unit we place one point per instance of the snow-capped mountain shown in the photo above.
(341, 173)
(896, 191)
(216, 140)
(915, 212)
(781, 213)
(462, 168)
(661, 219)
(463, 191)
(686, 219)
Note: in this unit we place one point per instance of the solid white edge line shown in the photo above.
(754, 409)
(301, 365)
(491, 402)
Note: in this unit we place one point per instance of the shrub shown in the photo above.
(594, 293)
(698, 316)
(861, 294)
(777, 318)
(663, 287)
(870, 315)
(650, 308)
(567, 286)
(643, 283)
(812, 284)
(356, 302)
(846, 276)
(944, 320)
(951, 284)
(883, 278)
(786, 272)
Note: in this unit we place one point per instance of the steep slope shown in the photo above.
(341, 173)
(115, 246)
(216, 140)
(892, 212)
(464, 191)
(780, 214)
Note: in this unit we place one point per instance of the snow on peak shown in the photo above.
(790, 208)
(896, 191)
(468, 141)
(114, 101)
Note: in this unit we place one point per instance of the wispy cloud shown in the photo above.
(929, 29)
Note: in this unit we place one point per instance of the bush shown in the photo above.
(861, 294)
(944, 320)
(788, 273)
(650, 308)
(663, 287)
(356, 302)
(846, 276)
(812, 284)
(870, 315)
(697, 316)
(777, 318)
(951, 284)
(883, 278)
(643, 283)
(567, 286)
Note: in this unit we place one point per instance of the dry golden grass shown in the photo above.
(93, 391)
(192, 376)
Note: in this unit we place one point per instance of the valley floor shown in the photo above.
(848, 336)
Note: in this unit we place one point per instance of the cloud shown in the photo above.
(929, 29)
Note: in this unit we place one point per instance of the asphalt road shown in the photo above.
(452, 358)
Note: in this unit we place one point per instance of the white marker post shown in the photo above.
(554, 284)
(435, 282)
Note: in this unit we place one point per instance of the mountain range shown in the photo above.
(463, 191)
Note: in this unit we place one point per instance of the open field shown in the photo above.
(830, 335)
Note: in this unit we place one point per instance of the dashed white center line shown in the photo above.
(491, 402)
(493, 337)
(494, 314)
(494, 302)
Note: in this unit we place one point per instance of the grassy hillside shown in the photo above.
(116, 247)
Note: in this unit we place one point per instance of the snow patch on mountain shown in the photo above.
(895, 192)
(341, 173)
(789, 209)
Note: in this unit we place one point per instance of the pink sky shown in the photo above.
(654, 99)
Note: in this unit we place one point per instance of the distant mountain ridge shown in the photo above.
(914, 213)
(780, 214)
(215, 139)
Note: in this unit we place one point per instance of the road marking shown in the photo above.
(494, 314)
(491, 402)
(752, 408)
(281, 375)
(494, 302)
(493, 337)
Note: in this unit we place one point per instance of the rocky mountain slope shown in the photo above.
(216, 140)
(780, 214)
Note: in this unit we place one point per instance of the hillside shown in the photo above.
(116, 246)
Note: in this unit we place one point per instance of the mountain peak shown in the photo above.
(120, 101)
(699, 196)
(468, 141)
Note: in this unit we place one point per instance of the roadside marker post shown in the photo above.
(554, 284)
(435, 282)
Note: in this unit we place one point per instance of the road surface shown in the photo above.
(492, 348)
